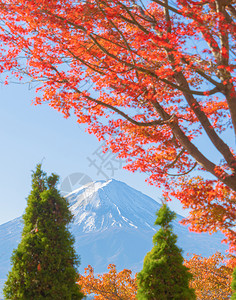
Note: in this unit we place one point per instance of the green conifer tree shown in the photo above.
(45, 263)
(233, 285)
(164, 277)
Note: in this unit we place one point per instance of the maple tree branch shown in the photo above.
(89, 65)
(220, 145)
(193, 150)
(230, 95)
(175, 160)
(138, 68)
(224, 39)
(232, 10)
(212, 42)
(228, 18)
(133, 21)
(132, 51)
(201, 159)
(149, 72)
(167, 16)
(137, 123)
(122, 36)
(196, 108)
(168, 7)
(219, 85)
(113, 42)
(215, 139)
(145, 9)
(225, 75)
(185, 173)
(143, 16)
(141, 124)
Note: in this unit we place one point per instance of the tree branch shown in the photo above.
(175, 160)
(219, 85)
(193, 150)
(90, 66)
(167, 6)
(138, 68)
(185, 173)
(140, 124)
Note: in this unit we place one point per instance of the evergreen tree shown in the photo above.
(45, 263)
(233, 285)
(164, 277)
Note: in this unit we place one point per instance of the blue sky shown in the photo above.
(31, 134)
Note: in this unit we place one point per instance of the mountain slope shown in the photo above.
(113, 223)
(104, 205)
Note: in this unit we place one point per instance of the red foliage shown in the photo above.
(211, 276)
(162, 78)
(211, 280)
(112, 285)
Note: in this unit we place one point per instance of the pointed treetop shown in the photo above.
(165, 216)
(41, 181)
(39, 178)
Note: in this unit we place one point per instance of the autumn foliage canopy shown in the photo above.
(211, 280)
(211, 276)
(113, 285)
(155, 79)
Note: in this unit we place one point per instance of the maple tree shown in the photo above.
(155, 78)
(112, 285)
(211, 276)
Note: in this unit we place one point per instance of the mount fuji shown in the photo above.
(113, 223)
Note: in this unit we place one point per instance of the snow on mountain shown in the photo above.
(113, 223)
(104, 205)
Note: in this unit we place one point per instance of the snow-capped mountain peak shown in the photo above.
(101, 205)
